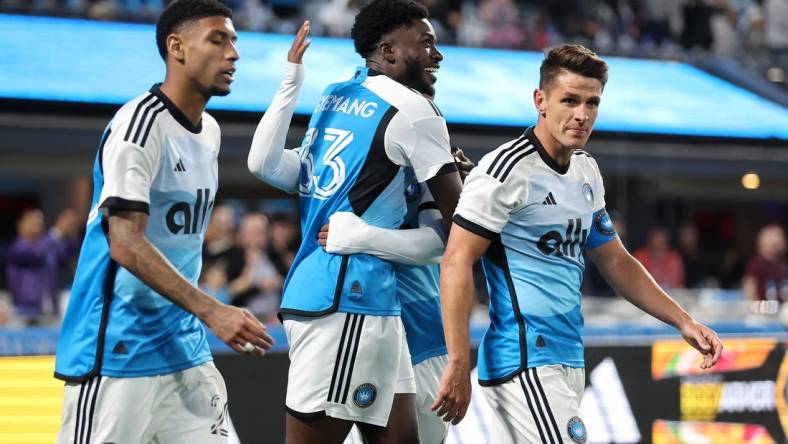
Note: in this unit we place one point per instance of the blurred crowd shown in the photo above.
(247, 254)
(752, 32)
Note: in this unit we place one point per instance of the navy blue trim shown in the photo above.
(334, 306)
(503, 153)
(496, 254)
(555, 166)
(176, 113)
(377, 172)
(339, 356)
(346, 356)
(535, 376)
(115, 204)
(150, 124)
(516, 160)
(305, 416)
(533, 412)
(79, 412)
(353, 358)
(133, 120)
(475, 228)
(447, 169)
(93, 409)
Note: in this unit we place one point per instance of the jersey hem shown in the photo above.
(115, 373)
(501, 380)
(326, 311)
(421, 357)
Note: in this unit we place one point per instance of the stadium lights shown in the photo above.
(751, 181)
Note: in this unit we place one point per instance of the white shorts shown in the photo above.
(189, 406)
(432, 428)
(538, 405)
(347, 366)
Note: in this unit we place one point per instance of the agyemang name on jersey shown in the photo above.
(363, 132)
(151, 159)
(540, 217)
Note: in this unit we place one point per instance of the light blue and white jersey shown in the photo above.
(362, 134)
(418, 286)
(151, 159)
(540, 218)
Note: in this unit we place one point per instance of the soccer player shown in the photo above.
(415, 250)
(132, 349)
(349, 358)
(531, 208)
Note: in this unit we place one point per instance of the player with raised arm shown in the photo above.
(531, 208)
(132, 349)
(349, 358)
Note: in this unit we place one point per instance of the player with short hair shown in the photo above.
(531, 208)
(132, 349)
(349, 358)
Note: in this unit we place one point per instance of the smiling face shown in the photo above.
(207, 54)
(568, 107)
(415, 57)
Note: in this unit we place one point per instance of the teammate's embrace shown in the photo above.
(532, 207)
(349, 362)
(132, 348)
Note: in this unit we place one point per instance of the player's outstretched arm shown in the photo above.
(130, 249)
(462, 251)
(629, 278)
(268, 160)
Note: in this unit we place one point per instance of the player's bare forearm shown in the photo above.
(131, 249)
(446, 190)
(463, 249)
(630, 279)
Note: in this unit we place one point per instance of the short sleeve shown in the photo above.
(422, 144)
(599, 194)
(602, 230)
(129, 170)
(486, 202)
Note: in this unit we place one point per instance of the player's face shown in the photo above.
(210, 54)
(569, 107)
(419, 59)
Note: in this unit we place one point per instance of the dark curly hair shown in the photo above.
(379, 17)
(182, 11)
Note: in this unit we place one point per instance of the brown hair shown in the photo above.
(574, 58)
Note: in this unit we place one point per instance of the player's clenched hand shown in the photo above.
(454, 394)
(464, 164)
(705, 340)
(237, 327)
(322, 236)
(300, 44)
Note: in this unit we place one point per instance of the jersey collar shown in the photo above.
(560, 169)
(176, 113)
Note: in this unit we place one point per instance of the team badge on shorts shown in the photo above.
(365, 395)
(588, 193)
(577, 430)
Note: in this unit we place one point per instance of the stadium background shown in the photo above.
(692, 140)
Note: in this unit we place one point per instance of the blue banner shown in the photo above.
(96, 62)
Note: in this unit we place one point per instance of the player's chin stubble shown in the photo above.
(415, 77)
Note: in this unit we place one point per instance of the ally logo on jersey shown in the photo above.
(189, 217)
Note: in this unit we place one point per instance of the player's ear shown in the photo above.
(539, 102)
(387, 52)
(176, 47)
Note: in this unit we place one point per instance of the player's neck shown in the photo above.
(559, 153)
(188, 100)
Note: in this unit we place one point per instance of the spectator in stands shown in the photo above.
(67, 232)
(766, 277)
(664, 263)
(260, 285)
(32, 268)
(220, 247)
(284, 242)
(695, 269)
(214, 281)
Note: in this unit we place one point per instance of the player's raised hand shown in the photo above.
(454, 394)
(239, 329)
(300, 44)
(705, 340)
